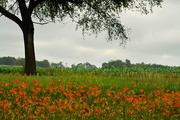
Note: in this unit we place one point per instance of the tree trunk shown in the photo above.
(30, 61)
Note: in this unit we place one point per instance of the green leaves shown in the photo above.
(92, 16)
(3, 3)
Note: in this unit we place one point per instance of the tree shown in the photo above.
(90, 15)
(7, 60)
(105, 65)
(128, 63)
(117, 64)
(84, 66)
(44, 63)
(20, 61)
(57, 65)
(114, 64)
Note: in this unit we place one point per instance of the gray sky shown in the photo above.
(154, 38)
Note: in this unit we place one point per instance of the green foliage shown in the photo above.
(84, 66)
(130, 72)
(11, 69)
(20, 61)
(119, 64)
(7, 61)
(44, 63)
(83, 95)
(90, 15)
(56, 65)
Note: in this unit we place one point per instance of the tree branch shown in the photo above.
(41, 23)
(33, 4)
(11, 16)
(13, 5)
(71, 1)
(23, 9)
(76, 1)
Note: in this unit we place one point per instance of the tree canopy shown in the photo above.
(90, 15)
(93, 16)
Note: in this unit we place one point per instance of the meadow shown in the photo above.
(90, 94)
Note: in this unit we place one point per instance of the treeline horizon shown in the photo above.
(107, 65)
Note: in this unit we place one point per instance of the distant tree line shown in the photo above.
(117, 64)
(84, 65)
(21, 62)
(127, 64)
(106, 65)
(45, 63)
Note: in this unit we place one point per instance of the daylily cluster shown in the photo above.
(31, 99)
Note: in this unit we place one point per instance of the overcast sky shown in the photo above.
(154, 38)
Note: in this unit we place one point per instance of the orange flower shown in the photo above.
(60, 87)
(93, 88)
(96, 114)
(108, 94)
(112, 114)
(86, 114)
(125, 89)
(134, 81)
(137, 108)
(117, 96)
(42, 115)
(165, 113)
(130, 111)
(176, 115)
(120, 110)
(82, 90)
(69, 83)
(32, 116)
(13, 92)
(96, 101)
(176, 105)
(22, 93)
(40, 103)
(30, 100)
(90, 83)
(167, 90)
(146, 83)
(51, 84)
(141, 90)
(121, 102)
(24, 85)
(6, 84)
(77, 93)
(108, 107)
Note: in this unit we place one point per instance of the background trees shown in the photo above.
(56, 65)
(44, 63)
(106, 65)
(20, 61)
(7, 60)
(84, 66)
(116, 64)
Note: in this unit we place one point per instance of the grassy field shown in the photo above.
(79, 94)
